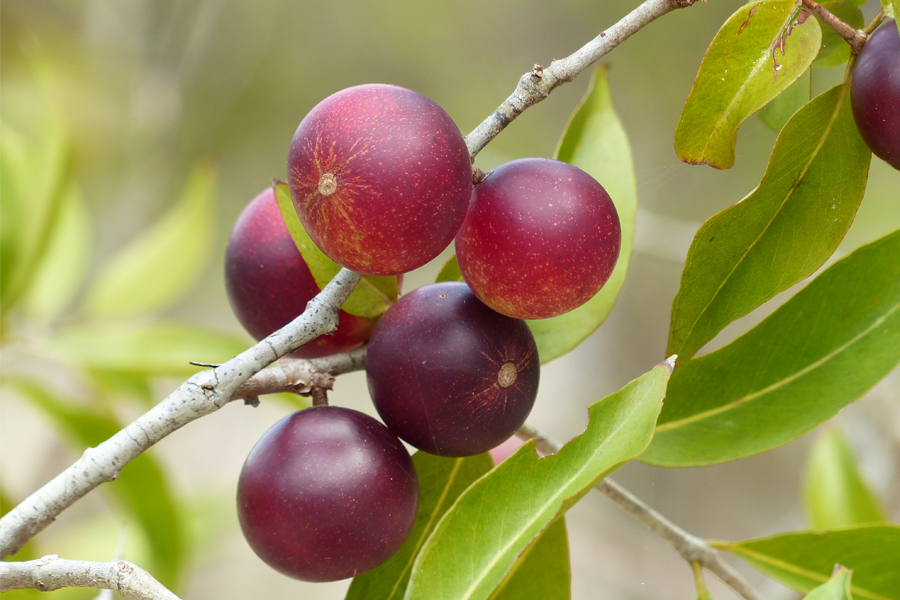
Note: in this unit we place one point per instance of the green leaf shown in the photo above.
(759, 51)
(804, 560)
(450, 271)
(891, 10)
(595, 142)
(542, 570)
(836, 588)
(441, 481)
(835, 50)
(142, 487)
(158, 267)
(821, 350)
(479, 540)
(834, 492)
(371, 298)
(782, 232)
(61, 271)
(35, 170)
(154, 349)
(776, 113)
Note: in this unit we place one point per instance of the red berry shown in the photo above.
(269, 283)
(448, 374)
(380, 177)
(875, 93)
(327, 493)
(540, 238)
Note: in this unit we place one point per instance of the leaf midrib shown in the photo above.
(778, 384)
(790, 567)
(790, 193)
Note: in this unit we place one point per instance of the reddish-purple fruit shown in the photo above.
(448, 374)
(269, 283)
(380, 177)
(875, 93)
(540, 239)
(327, 493)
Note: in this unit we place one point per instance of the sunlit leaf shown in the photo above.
(834, 492)
(441, 481)
(479, 540)
(821, 350)
(836, 588)
(758, 52)
(450, 271)
(153, 349)
(542, 570)
(142, 487)
(595, 142)
(806, 559)
(776, 113)
(158, 267)
(372, 296)
(60, 273)
(835, 50)
(782, 232)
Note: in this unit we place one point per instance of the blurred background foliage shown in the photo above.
(134, 132)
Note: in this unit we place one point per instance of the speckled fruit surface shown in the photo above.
(540, 239)
(269, 284)
(380, 177)
(875, 93)
(448, 374)
(327, 493)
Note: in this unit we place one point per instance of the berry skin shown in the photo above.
(540, 239)
(875, 93)
(448, 374)
(380, 177)
(269, 283)
(327, 493)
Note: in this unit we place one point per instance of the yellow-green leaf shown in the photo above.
(759, 51)
(158, 267)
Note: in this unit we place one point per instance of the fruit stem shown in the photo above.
(319, 396)
(854, 37)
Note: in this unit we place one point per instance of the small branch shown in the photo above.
(537, 84)
(854, 37)
(202, 394)
(52, 573)
(689, 546)
(300, 376)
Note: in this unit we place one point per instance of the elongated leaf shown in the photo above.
(141, 488)
(782, 232)
(478, 541)
(595, 142)
(35, 169)
(542, 570)
(836, 588)
(776, 113)
(441, 481)
(160, 265)
(821, 350)
(372, 296)
(834, 492)
(61, 271)
(758, 52)
(835, 51)
(806, 559)
(160, 349)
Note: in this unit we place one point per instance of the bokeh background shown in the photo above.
(149, 89)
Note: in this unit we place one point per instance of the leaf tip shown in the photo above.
(669, 363)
